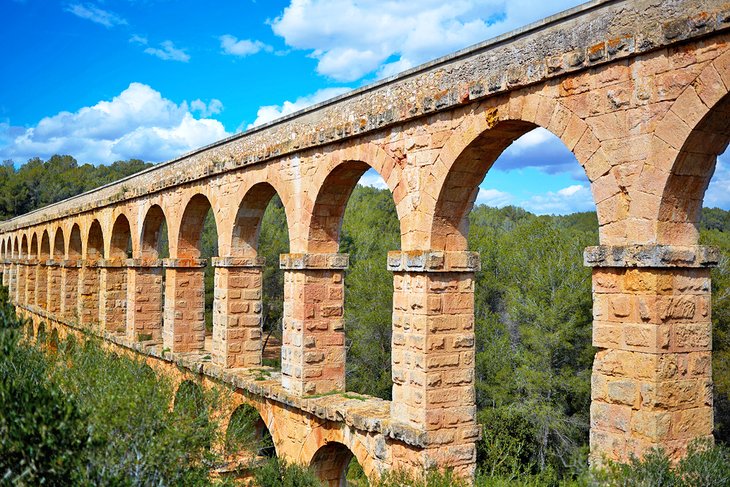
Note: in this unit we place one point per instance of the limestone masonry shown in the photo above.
(637, 90)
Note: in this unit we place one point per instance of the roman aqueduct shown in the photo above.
(636, 89)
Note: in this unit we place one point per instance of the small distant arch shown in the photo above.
(121, 239)
(75, 247)
(95, 242)
(330, 464)
(59, 250)
(191, 227)
(154, 233)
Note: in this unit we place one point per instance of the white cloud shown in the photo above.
(244, 47)
(717, 194)
(493, 197)
(543, 150)
(168, 52)
(95, 14)
(373, 179)
(138, 123)
(138, 39)
(213, 108)
(272, 112)
(353, 38)
(567, 200)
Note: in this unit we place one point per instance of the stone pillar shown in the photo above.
(313, 348)
(4, 264)
(88, 289)
(433, 353)
(54, 287)
(113, 295)
(237, 318)
(30, 277)
(652, 376)
(184, 326)
(20, 281)
(144, 300)
(70, 289)
(41, 285)
(13, 280)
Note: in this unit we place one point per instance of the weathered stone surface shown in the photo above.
(636, 89)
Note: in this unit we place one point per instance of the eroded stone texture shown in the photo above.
(637, 90)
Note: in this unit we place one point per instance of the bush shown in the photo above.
(279, 473)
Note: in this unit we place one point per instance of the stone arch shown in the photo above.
(151, 232)
(16, 248)
(33, 252)
(94, 242)
(59, 244)
(45, 250)
(75, 246)
(120, 243)
(190, 231)
(687, 142)
(2, 249)
(247, 224)
(330, 463)
(475, 146)
(334, 189)
(23, 252)
(314, 450)
(246, 428)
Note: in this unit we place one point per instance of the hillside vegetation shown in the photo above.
(533, 315)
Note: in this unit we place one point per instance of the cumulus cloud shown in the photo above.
(717, 194)
(93, 13)
(168, 52)
(493, 197)
(272, 112)
(138, 123)
(541, 149)
(353, 38)
(567, 200)
(242, 48)
(213, 108)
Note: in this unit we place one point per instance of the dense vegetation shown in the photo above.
(533, 327)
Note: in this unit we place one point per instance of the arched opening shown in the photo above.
(21, 295)
(362, 222)
(149, 286)
(260, 236)
(89, 285)
(529, 324)
(41, 334)
(113, 298)
(70, 275)
(32, 271)
(331, 464)
(694, 210)
(190, 286)
(53, 341)
(55, 286)
(41, 285)
(247, 436)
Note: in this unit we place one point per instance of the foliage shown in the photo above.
(38, 183)
(279, 473)
(369, 230)
(43, 432)
(704, 465)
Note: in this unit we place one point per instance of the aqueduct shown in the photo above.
(636, 89)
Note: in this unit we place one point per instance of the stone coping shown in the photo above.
(184, 263)
(433, 261)
(314, 261)
(364, 413)
(584, 37)
(52, 263)
(234, 262)
(28, 261)
(651, 255)
(114, 263)
(72, 263)
(144, 263)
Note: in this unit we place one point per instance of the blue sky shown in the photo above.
(105, 80)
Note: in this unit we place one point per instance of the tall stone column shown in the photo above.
(13, 280)
(144, 299)
(88, 290)
(113, 296)
(54, 287)
(433, 353)
(70, 290)
(652, 376)
(30, 278)
(21, 279)
(41, 284)
(184, 326)
(313, 348)
(237, 317)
